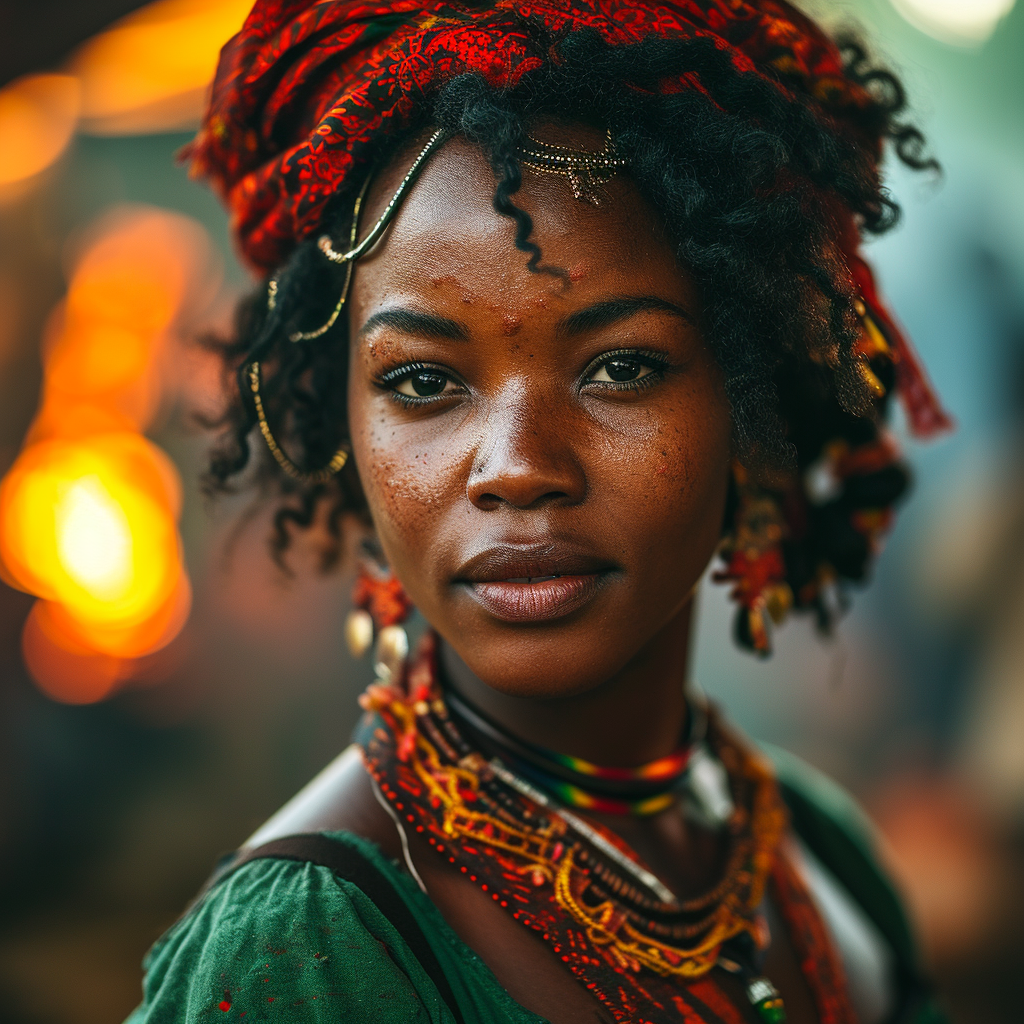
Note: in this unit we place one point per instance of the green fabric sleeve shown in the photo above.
(286, 941)
(840, 835)
(832, 824)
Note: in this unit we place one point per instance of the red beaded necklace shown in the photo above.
(645, 957)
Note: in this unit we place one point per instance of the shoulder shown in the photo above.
(339, 799)
(287, 941)
(832, 825)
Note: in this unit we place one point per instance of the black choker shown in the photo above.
(642, 791)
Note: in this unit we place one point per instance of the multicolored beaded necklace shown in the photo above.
(574, 782)
(647, 956)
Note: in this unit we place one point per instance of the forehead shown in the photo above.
(448, 236)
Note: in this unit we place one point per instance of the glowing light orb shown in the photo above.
(89, 509)
(94, 539)
(38, 115)
(959, 22)
(90, 525)
(150, 71)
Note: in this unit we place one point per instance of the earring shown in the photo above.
(755, 565)
(381, 605)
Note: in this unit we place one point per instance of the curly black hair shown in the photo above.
(757, 186)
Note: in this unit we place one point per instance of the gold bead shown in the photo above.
(358, 632)
(778, 601)
(392, 650)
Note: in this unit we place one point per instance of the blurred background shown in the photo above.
(164, 687)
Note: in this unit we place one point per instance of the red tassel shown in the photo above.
(924, 410)
(383, 597)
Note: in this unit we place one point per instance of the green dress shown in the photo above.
(287, 941)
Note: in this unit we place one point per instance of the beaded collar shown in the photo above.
(645, 955)
(574, 782)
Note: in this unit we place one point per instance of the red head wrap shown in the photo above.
(308, 87)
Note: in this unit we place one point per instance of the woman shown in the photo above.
(564, 299)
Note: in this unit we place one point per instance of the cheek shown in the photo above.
(665, 478)
(408, 476)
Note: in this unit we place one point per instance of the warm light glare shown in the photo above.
(66, 672)
(125, 293)
(151, 70)
(94, 540)
(83, 523)
(38, 114)
(960, 22)
(88, 510)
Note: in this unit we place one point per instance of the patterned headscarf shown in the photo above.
(308, 87)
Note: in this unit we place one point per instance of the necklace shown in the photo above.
(574, 782)
(645, 954)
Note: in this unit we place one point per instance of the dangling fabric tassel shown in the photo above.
(754, 564)
(925, 414)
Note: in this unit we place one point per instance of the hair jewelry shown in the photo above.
(324, 242)
(755, 564)
(346, 284)
(586, 170)
(870, 345)
(325, 245)
(318, 476)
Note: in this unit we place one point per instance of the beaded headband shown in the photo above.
(586, 171)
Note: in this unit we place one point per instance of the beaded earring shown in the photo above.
(381, 605)
(754, 564)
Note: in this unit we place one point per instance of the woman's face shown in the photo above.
(545, 458)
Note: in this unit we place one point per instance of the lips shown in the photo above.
(534, 583)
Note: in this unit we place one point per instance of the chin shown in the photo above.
(548, 662)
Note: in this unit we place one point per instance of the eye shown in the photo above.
(424, 384)
(418, 382)
(624, 368)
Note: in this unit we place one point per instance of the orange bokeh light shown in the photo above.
(88, 511)
(68, 672)
(38, 115)
(90, 524)
(150, 71)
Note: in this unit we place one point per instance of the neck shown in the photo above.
(635, 716)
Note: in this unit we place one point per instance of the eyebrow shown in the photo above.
(604, 314)
(409, 321)
(601, 314)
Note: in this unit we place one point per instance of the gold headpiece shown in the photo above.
(586, 170)
(326, 246)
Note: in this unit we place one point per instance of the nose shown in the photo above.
(526, 456)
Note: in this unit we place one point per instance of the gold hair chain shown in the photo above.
(319, 476)
(587, 171)
(325, 245)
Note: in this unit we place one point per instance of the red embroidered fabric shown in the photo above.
(307, 87)
(819, 962)
(925, 414)
(658, 967)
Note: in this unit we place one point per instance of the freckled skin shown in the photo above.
(528, 453)
(525, 449)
